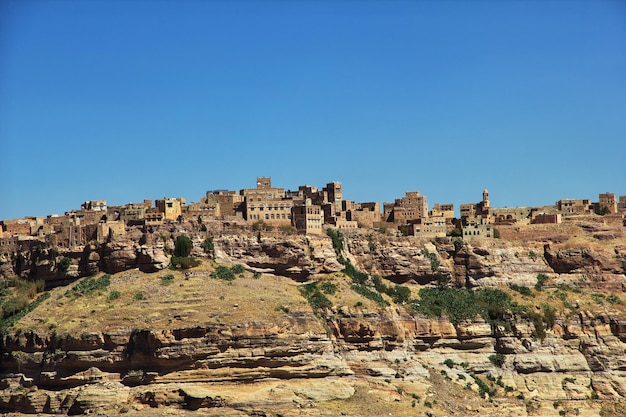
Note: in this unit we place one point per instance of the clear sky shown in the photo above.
(126, 100)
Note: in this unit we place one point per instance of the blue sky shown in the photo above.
(126, 100)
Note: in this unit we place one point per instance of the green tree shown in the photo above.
(456, 232)
(64, 265)
(208, 246)
(183, 246)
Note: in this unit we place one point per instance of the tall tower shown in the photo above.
(264, 182)
(485, 199)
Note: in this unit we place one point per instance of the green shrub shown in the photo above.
(316, 299)
(483, 388)
(223, 272)
(64, 265)
(613, 299)
(328, 288)
(139, 296)
(114, 295)
(539, 331)
(337, 238)
(182, 246)
(465, 304)
(497, 359)
(237, 269)
(371, 294)
(208, 246)
(449, 363)
(9, 321)
(167, 279)
(14, 305)
(188, 262)
(456, 232)
(89, 285)
(549, 315)
(521, 289)
(400, 294)
(541, 279)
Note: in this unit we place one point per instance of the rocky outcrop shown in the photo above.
(254, 364)
(193, 368)
(298, 257)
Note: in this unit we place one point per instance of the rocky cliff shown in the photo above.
(255, 346)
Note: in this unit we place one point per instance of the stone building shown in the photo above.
(573, 206)
(228, 204)
(609, 201)
(365, 214)
(266, 203)
(478, 230)
(510, 215)
(308, 218)
(171, 208)
(110, 230)
(470, 213)
(411, 206)
(546, 218)
(427, 227)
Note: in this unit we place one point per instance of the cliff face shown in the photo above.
(255, 347)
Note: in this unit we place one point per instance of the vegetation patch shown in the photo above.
(183, 262)
(228, 274)
(369, 293)
(521, 289)
(9, 320)
(88, 286)
(541, 280)
(167, 279)
(318, 301)
(461, 304)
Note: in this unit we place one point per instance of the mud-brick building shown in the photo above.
(267, 203)
(477, 213)
(427, 227)
(410, 207)
(228, 204)
(478, 231)
(171, 208)
(609, 201)
(569, 206)
(308, 218)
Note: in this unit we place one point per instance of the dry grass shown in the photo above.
(192, 299)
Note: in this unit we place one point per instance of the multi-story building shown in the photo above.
(428, 227)
(609, 201)
(410, 207)
(470, 213)
(227, 204)
(573, 206)
(308, 218)
(478, 230)
(171, 208)
(266, 203)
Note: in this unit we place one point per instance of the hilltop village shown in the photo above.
(306, 210)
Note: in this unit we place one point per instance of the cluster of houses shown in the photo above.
(307, 210)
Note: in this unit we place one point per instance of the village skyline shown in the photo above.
(76, 205)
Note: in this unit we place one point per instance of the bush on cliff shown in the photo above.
(182, 246)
